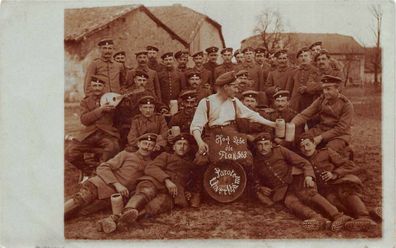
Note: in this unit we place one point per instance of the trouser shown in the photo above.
(308, 197)
(87, 194)
(347, 199)
(99, 139)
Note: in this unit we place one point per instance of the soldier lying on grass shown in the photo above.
(276, 181)
(162, 187)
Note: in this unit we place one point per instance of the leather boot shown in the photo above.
(71, 207)
(131, 211)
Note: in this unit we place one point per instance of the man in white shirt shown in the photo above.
(218, 111)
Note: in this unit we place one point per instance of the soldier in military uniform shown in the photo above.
(335, 113)
(161, 188)
(148, 122)
(183, 118)
(212, 60)
(194, 82)
(206, 75)
(251, 67)
(264, 67)
(171, 80)
(152, 81)
(316, 47)
(277, 79)
(239, 57)
(283, 111)
(277, 180)
(322, 60)
(243, 82)
(113, 73)
(99, 131)
(227, 65)
(152, 54)
(336, 181)
(129, 106)
(181, 59)
(118, 174)
(302, 85)
(271, 60)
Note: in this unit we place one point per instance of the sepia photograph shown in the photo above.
(184, 120)
(194, 120)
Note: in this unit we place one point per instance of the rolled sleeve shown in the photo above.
(200, 118)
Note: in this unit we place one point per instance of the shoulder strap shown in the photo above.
(207, 107)
(235, 108)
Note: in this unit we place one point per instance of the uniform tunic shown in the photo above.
(253, 73)
(152, 81)
(211, 66)
(279, 77)
(223, 68)
(335, 118)
(110, 71)
(141, 125)
(171, 83)
(183, 120)
(125, 168)
(155, 65)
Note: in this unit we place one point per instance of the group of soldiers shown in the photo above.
(155, 158)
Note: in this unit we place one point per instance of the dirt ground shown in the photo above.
(241, 219)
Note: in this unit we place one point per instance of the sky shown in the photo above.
(238, 18)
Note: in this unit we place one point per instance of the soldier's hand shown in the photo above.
(164, 111)
(327, 176)
(203, 148)
(318, 139)
(107, 108)
(170, 138)
(157, 148)
(265, 191)
(302, 89)
(121, 189)
(188, 195)
(308, 182)
(171, 187)
(278, 140)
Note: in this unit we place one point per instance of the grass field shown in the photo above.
(241, 220)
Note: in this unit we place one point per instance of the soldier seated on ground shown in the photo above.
(335, 113)
(118, 174)
(277, 181)
(148, 121)
(336, 181)
(98, 132)
(161, 188)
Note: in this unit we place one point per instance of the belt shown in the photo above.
(222, 126)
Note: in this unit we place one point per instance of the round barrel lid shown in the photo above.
(225, 181)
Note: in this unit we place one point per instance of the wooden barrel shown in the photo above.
(225, 181)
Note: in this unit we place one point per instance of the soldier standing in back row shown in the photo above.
(323, 62)
(227, 65)
(113, 73)
(181, 59)
(212, 60)
(251, 67)
(206, 75)
(239, 58)
(264, 67)
(171, 81)
(153, 64)
(316, 47)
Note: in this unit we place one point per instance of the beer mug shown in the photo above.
(280, 128)
(117, 203)
(174, 131)
(173, 107)
(290, 132)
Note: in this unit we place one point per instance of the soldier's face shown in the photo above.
(240, 58)
(227, 56)
(168, 61)
(330, 91)
(264, 147)
(250, 102)
(152, 55)
(120, 58)
(248, 55)
(323, 61)
(182, 60)
(213, 57)
(260, 58)
(282, 59)
(190, 103)
(281, 103)
(231, 89)
(140, 82)
(194, 82)
(304, 58)
(97, 88)
(316, 49)
(307, 147)
(181, 147)
(106, 51)
(147, 110)
(145, 147)
(198, 60)
(142, 59)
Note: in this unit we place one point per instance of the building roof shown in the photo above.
(184, 21)
(334, 43)
(82, 22)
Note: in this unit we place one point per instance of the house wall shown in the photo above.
(356, 67)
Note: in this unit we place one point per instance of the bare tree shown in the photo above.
(270, 26)
(377, 13)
